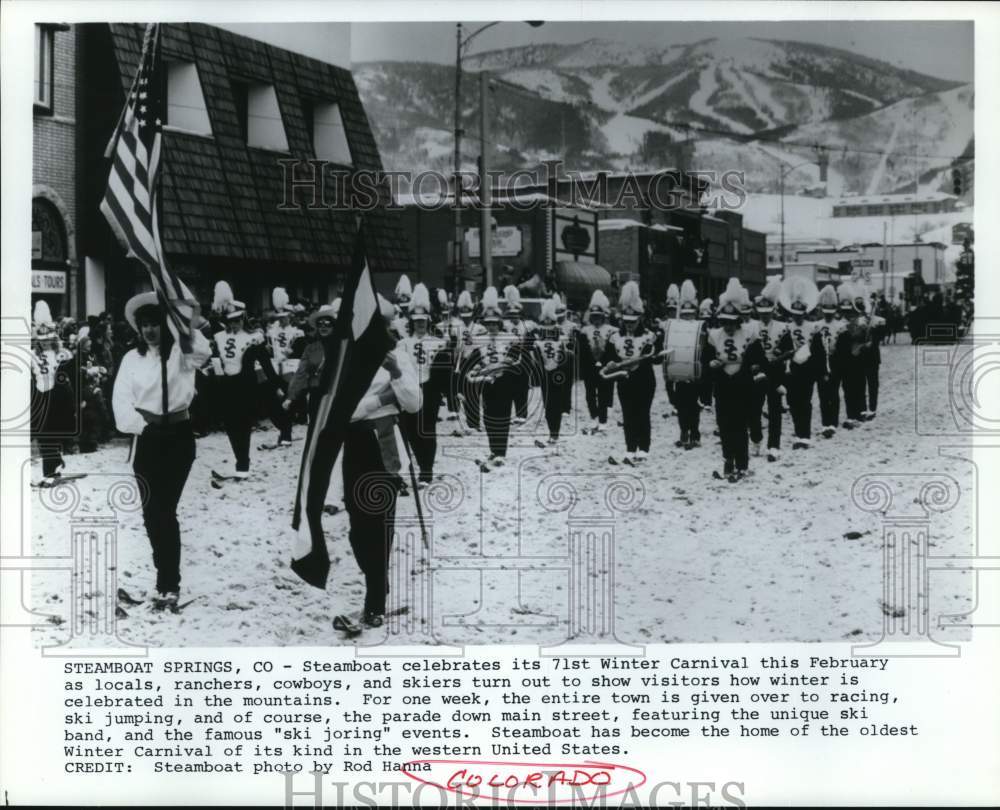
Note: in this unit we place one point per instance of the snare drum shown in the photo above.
(684, 339)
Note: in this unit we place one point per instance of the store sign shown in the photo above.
(48, 281)
(506, 241)
(575, 235)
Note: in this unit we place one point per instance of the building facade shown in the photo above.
(55, 270)
(243, 118)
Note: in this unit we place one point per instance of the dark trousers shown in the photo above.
(238, 404)
(600, 393)
(451, 395)
(554, 395)
(686, 396)
(45, 423)
(472, 395)
(829, 400)
(871, 369)
(520, 386)
(774, 412)
(567, 389)
(370, 493)
(163, 458)
(755, 409)
(800, 393)
(496, 414)
(420, 429)
(635, 394)
(731, 394)
(281, 418)
(853, 380)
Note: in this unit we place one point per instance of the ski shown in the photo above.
(347, 625)
(125, 597)
(482, 465)
(62, 479)
(217, 476)
(275, 446)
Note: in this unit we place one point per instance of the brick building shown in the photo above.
(55, 271)
(236, 107)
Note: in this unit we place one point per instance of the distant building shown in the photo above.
(896, 267)
(235, 107)
(661, 248)
(792, 246)
(890, 205)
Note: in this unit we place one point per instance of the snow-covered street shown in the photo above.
(782, 556)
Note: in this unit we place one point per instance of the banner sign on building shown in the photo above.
(574, 235)
(48, 281)
(506, 241)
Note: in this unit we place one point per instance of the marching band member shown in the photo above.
(799, 297)
(627, 359)
(554, 357)
(687, 392)
(828, 385)
(52, 400)
(706, 313)
(591, 342)
(448, 327)
(848, 348)
(466, 335)
(774, 340)
(569, 328)
(673, 302)
(239, 352)
(282, 333)
(491, 363)
(735, 357)
(430, 357)
(403, 293)
(165, 445)
(521, 381)
(871, 355)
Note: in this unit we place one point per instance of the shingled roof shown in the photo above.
(221, 197)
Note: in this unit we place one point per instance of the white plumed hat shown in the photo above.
(599, 303)
(404, 289)
(465, 302)
(223, 302)
(630, 302)
(513, 298)
(673, 295)
(689, 296)
(420, 303)
(491, 305)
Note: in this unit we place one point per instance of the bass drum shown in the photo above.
(685, 340)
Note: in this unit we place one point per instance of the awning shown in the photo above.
(578, 281)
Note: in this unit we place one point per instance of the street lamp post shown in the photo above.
(485, 234)
(821, 160)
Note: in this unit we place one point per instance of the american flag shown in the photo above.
(130, 201)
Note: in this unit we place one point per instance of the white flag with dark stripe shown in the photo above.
(130, 201)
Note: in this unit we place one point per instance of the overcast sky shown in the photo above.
(943, 49)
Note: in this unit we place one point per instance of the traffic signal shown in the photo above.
(965, 269)
(957, 181)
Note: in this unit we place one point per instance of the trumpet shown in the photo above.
(622, 368)
(490, 373)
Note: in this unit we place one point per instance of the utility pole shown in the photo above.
(457, 243)
(885, 258)
(485, 192)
